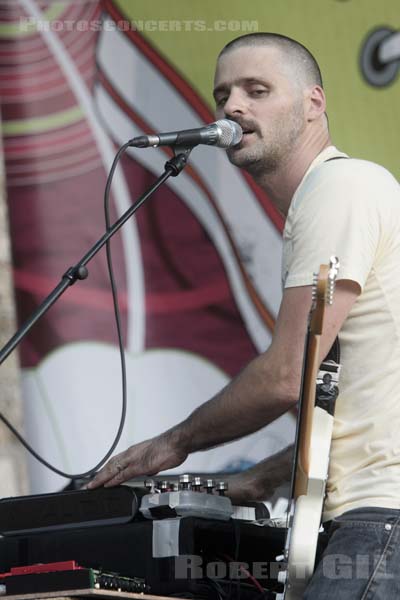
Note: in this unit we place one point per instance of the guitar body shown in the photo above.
(308, 509)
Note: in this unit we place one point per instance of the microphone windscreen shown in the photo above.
(230, 133)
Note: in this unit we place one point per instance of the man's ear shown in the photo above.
(316, 105)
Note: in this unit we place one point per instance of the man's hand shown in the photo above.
(241, 489)
(146, 458)
(260, 482)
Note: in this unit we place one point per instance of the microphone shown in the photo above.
(223, 133)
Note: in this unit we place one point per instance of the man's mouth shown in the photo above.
(247, 133)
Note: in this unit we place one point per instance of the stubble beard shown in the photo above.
(256, 160)
(263, 158)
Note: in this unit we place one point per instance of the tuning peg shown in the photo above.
(334, 262)
(314, 288)
(333, 271)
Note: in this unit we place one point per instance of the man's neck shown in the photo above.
(282, 184)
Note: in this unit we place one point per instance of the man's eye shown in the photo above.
(220, 101)
(258, 92)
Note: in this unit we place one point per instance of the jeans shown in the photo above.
(362, 558)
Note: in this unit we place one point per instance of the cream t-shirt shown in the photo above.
(350, 208)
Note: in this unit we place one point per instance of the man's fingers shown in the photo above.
(112, 471)
(120, 477)
(145, 458)
(117, 480)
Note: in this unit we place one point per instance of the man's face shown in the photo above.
(255, 88)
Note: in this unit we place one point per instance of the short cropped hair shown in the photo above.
(299, 57)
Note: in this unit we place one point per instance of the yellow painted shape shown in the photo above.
(42, 124)
(26, 27)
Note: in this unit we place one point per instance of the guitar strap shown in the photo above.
(327, 384)
(334, 352)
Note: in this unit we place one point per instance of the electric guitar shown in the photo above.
(312, 445)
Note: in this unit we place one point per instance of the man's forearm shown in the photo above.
(262, 392)
(257, 396)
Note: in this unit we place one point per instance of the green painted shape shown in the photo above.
(42, 124)
(25, 28)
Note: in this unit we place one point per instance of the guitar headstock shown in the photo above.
(322, 293)
(332, 274)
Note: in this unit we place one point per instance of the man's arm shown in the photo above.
(264, 390)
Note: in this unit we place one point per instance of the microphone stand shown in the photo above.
(172, 169)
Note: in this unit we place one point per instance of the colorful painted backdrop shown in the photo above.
(198, 270)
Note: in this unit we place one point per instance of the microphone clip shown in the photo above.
(178, 162)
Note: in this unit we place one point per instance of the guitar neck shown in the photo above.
(306, 415)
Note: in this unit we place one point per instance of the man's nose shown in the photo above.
(235, 104)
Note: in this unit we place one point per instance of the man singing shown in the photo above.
(333, 205)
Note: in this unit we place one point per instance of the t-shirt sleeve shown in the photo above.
(335, 213)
